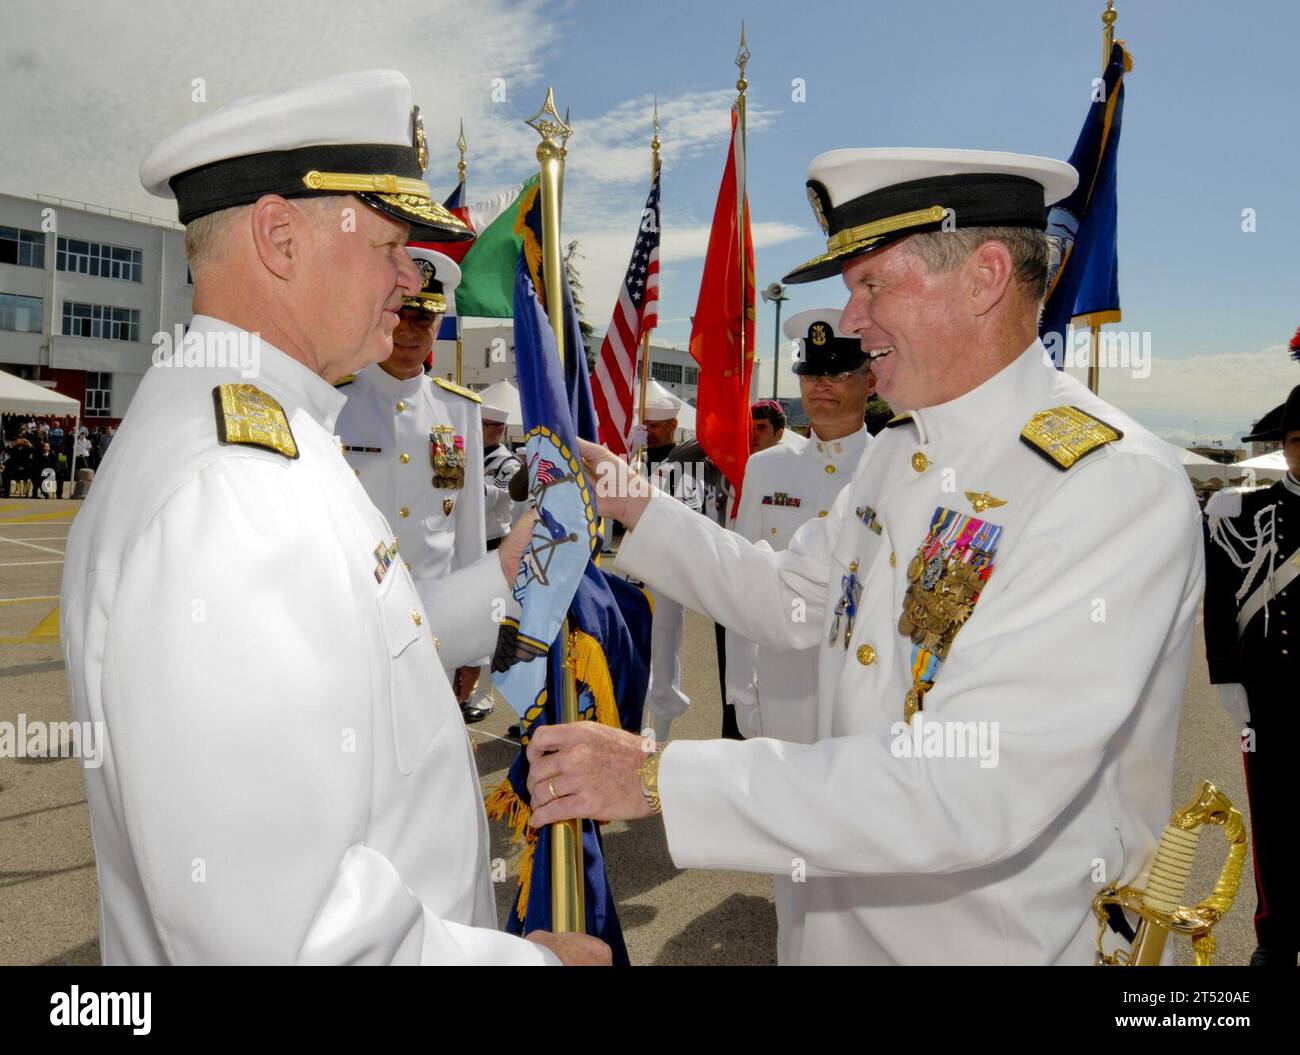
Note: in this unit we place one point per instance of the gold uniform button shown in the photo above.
(408, 564)
(404, 512)
(416, 617)
(400, 406)
(774, 531)
(405, 458)
(822, 512)
(920, 462)
(893, 561)
(866, 655)
(830, 469)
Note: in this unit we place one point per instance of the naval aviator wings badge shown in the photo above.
(945, 579)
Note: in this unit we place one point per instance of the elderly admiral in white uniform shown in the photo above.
(415, 442)
(287, 778)
(1003, 599)
(775, 692)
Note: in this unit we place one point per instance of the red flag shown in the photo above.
(722, 314)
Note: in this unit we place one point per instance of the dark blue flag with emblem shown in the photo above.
(609, 619)
(1085, 285)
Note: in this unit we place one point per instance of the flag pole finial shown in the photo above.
(462, 145)
(1108, 18)
(742, 59)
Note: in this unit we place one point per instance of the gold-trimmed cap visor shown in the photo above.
(867, 198)
(387, 177)
(429, 303)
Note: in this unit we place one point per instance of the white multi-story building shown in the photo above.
(83, 290)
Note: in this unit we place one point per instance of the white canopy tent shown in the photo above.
(22, 397)
(1271, 466)
(1202, 469)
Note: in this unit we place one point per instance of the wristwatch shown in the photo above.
(650, 779)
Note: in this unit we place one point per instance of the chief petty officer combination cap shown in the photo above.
(356, 133)
(866, 199)
(439, 275)
(823, 348)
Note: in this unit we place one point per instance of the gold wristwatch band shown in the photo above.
(650, 779)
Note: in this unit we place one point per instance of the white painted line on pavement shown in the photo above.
(32, 545)
(27, 563)
(20, 600)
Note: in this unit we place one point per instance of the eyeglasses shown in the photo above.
(838, 379)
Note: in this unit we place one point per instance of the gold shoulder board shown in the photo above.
(1063, 435)
(451, 386)
(346, 379)
(246, 415)
(898, 419)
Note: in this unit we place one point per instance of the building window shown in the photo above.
(20, 314)
(99, 394)
(670, 372)
(476, 386)
(96, 320)
(25, 248)
(100, 259)
(692, 375)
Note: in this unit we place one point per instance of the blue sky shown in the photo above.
(1210, 129)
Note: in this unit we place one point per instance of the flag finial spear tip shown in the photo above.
(547, 122)
(742, 59)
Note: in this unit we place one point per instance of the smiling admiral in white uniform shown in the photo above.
(1003, 600)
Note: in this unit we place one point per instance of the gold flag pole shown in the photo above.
(461, 145)
(568, 911)
(1107, 42)
(645, 337)
(742, 59)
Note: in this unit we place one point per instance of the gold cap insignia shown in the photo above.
(815, 192)
(417, 138)
(819, 333)
(426, 272)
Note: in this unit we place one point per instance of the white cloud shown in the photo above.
(1206, 397)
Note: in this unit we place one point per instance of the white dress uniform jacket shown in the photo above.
(286, 775)
(499, 467)
(386, 423)
(775, 692)
(1077, 649)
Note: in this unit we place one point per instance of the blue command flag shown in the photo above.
(609, 619)
(1086, 284)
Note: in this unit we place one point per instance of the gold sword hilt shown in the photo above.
(1159, 906)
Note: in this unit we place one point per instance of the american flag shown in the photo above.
(635, 314)
(546, 471)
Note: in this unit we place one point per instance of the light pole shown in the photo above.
(776, 294)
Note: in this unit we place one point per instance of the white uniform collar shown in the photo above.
(393, 388)
(1290, 483)
(1020, 384)
(854, 442)
(284, 377)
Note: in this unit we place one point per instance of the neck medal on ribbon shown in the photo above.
(447, 452)
(946, 577)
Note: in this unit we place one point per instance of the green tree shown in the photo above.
(571, 258)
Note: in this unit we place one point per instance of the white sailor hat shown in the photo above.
(356, 133)
(439, 275)
(823, 348)
(660, 404)
(493, 415)
(865, 199)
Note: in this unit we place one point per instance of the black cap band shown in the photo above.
(240, 181)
